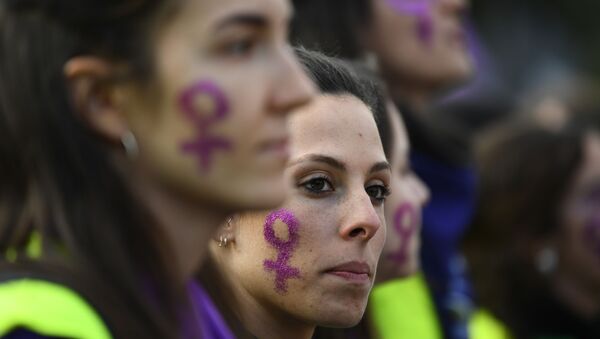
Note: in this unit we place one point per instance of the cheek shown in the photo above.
(422, 11)
(279, 267)
(204, 105)
(405, 226)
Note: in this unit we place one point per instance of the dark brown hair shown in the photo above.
(525, 172)
(56, 177)
(331, 26)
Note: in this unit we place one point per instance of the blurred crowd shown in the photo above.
(285, 169)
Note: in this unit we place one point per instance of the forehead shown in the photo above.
(209, 14)
(338, 125)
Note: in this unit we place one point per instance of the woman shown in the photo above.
(312, 260)
(399, 262)
(124, 145)
(419, 48)
(533, 245)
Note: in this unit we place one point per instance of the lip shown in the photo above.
(353, 271)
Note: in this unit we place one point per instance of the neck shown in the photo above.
(418, 97)
(582, 299)
(188, 225)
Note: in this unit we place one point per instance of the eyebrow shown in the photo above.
(380, 166)
(245, 19)
(320, 158)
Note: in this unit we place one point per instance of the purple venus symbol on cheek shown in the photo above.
(203, 117)
(406, 221)
(283, 271)
(421, 9)
(591, 234)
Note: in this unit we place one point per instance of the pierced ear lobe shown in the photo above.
(92, 94)
(225, 235)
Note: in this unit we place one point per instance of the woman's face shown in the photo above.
(226, 79)
(314, 258)
(420, 41)
(403, 208)
(579, 241)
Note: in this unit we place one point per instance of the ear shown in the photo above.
(94, 96)
(227, 230)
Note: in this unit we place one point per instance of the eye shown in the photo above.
(378, 193)
(317, 185)
(241, 47)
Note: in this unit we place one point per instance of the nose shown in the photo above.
(292, 87)
(361, 220)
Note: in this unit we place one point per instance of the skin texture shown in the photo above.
(420, 45)
(340, 216)
(284, 247)
(239, 48)
(403, 208)
(577, 276)
(221, 69)
(204, 104)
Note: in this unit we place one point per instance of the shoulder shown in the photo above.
(47, 309)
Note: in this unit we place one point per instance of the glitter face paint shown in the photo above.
(406, 222)
(204, 145)
(421, 9)
(282, 270)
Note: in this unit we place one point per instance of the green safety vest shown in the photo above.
(483, 325)
(403, 308)
(48, 309)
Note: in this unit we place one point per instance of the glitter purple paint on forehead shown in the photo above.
(204, 145)
(420, 9)
(283, 271)
(406, 232)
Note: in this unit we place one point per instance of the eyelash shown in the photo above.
(378, 197)
(312, 180)
(382, 193)
(241, 47)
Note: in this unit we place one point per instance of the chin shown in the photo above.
(341, 322)
(342, 317)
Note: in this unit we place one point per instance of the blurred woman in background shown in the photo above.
(123, 145)
(533, 247)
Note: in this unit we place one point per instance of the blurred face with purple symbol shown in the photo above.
(420, 42)
(403, 208)
(215, 130)
(312, 261)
